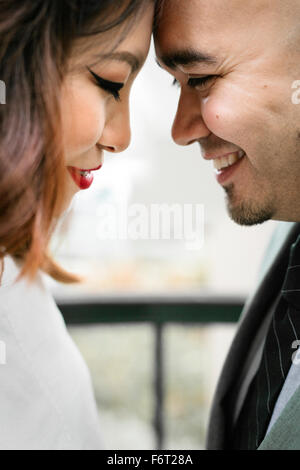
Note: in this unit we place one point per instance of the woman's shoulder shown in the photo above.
(43, 367)
(10, 269)
(21, 299)
(29, 315)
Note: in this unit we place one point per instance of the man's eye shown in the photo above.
(196, 82)
(111, 87)
(200, 82)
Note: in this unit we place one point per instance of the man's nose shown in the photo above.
(117, 132)
(188, 125)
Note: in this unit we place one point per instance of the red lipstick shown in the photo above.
(83, 178)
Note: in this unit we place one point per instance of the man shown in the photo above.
(237, 64)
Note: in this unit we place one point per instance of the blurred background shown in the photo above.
(154, 369)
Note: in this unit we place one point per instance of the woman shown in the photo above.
(68, 68)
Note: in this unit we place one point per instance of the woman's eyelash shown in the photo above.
(111, 87)
(196, 82)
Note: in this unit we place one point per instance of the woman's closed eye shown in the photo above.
(111, 87)
(197, 82)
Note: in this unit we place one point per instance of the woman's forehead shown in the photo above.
(125, 44)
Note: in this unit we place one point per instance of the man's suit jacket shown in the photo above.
(285, 433)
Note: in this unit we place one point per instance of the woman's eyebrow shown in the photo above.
(135, 61)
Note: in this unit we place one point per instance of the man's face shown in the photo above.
(252, 57)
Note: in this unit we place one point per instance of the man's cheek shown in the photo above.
(225, 121)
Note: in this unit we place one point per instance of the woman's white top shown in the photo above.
(46, 396)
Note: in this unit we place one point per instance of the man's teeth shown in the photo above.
(223, 162)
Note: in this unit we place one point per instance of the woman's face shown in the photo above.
(95, 103)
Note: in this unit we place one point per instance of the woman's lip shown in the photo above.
(83, 182)
(92, 169)
(83, 178)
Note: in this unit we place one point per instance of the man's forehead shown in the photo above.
(191, 10)
(204, 18)
(185, 24)
(183, 37)
(215, 28)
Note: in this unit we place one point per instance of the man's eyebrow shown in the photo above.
(135, 61)
(187, 57)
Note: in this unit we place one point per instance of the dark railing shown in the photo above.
(157, 310)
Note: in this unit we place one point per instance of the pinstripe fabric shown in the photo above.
(276, 361)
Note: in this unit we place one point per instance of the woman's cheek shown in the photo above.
(85, 124)
(83, 114)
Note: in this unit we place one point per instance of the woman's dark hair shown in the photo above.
(37, 37)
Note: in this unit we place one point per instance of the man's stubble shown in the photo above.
(247, 213)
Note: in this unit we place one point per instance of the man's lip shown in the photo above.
(207, 156)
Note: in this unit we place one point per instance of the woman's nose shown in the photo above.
(117, 132)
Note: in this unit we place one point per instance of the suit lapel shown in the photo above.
(285, 432)
(252, 315)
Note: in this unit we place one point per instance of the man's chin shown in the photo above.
(247, 212)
